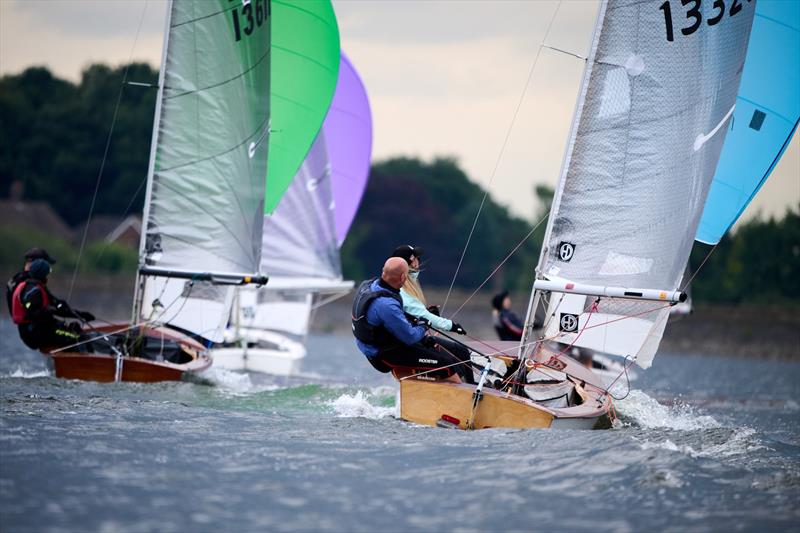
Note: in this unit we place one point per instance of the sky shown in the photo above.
(458, 78)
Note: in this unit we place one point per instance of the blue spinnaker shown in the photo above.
(765, 118)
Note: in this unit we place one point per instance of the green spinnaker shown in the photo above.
(305, 68)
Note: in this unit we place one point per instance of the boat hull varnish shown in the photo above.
(448, 403)
(108, 367)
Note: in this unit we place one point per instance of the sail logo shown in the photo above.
(565, 251)
(568, 322)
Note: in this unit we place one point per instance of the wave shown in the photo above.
(728, 443)
(640, 410)
(29, 374)
(358, 405)
(234, 383)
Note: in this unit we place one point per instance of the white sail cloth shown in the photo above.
(206, 201)
(205, 198)
(299, 238)
(649, 128)
(300, 252)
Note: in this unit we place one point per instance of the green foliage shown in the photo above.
(54, 134)
(759, 263)
(19, 239)
(433, 205)
(111, 258)
(98, 257)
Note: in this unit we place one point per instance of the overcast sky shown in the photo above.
(444, 78)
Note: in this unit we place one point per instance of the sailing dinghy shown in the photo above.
(657, 95)
(205, 197)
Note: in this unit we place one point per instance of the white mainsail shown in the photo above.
(658, 92)
(205, 195)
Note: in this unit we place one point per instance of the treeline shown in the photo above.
(54, 134)
(433, 205)
(759, 263)
(53, 138)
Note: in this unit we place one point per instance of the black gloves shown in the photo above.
(434, 310)
(456, 328)
(428, 341)
(85, 316)
(422, 321)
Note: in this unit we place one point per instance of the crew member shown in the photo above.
(30, 256)
(388, 339)
(416, 305)
(35, 315)
(507, 325)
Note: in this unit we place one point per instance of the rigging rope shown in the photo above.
(507, 257)
(708, 255)
(105, 154)
(502, 151)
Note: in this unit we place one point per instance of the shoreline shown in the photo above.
(748, 331)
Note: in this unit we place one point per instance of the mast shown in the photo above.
(533, 302)
(138, 290)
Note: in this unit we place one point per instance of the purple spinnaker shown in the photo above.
(348, 135)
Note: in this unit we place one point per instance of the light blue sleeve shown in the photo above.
(414, 307)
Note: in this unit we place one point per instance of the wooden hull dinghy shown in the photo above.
(571, 397)
(163, 354)
(639, 164)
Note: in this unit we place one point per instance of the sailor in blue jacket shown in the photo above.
(388, 339)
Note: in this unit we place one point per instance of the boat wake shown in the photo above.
(20, 373)
(718, 444)
(365, 404)
(640, 410)
(235, 383)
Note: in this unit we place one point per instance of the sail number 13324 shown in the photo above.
(694, 18)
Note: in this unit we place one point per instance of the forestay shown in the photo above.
(765, 119)
(658, 93)
(206, 183)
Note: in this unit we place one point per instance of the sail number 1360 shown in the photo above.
(253, 13)
(695, 18)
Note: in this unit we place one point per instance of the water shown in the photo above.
(704, 443)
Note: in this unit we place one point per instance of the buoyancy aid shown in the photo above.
(19, 313)
(377, 336)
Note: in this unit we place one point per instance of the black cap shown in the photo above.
(39, 269)
(39, 253)
(497, 301)
(406, 251)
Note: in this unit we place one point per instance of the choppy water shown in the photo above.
(706, 443)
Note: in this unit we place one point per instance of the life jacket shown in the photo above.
(12, 285)
(19, 313)
(377, 336)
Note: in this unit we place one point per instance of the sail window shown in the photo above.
(625, 265)
(758, 120)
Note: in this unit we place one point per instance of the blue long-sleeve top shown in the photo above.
(414, 307)
(387, 312)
